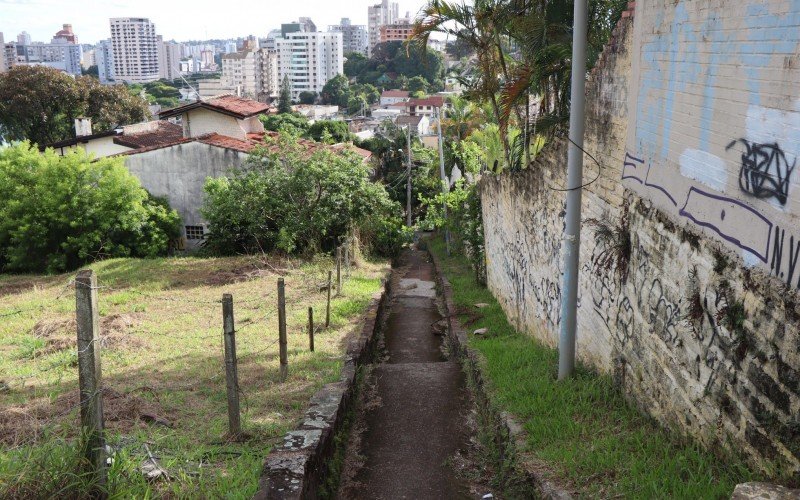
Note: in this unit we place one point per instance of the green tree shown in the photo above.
(58, 213)
(295, 123)
(91, 71)
(336, 91)
(335, 129)
(307, 97)
(394, 57)
(40, 104)
(354, 64)
(325, 196)
(285, 97)
(418, 84)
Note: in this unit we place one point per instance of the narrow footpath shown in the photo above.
(414, 424)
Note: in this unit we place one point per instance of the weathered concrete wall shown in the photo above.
(698, 329)
(179, 173)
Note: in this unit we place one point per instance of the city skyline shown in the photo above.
(175, 20)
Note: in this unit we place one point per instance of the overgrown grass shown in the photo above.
(162, 359)
(582, 431)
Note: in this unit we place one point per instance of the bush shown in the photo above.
(288, 199)
(296, 123)
(58, 213)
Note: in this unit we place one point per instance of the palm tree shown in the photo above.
(461, 119)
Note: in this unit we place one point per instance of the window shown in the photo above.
(194, 232)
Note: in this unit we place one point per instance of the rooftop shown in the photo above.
(226, 104)
(395, 93)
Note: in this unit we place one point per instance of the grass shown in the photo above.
(582, 432)
(163, 371)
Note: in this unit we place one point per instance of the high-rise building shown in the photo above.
(104, 56)
(89, 59)
(66, 34)
(24, 38)
(354, 36)
(62, 56)
(309, 59)
(230, 47)
(135, 46)
(3, 63)
(253, 72)
(379, 15)
(396, 32)
(169, 59)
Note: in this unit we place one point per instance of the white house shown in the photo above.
(394, 96)
(420, 124)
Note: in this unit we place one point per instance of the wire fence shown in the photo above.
(262, 312)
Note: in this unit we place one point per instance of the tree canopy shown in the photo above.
(395, 60)
(285, 97)
(40, 104)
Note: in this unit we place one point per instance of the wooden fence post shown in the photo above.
(87, 317)
(328, 308)
(338, 271)
(231, 368)
(311, 329)
(282, 329)
(347, 257)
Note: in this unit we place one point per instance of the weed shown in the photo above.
(615, 240)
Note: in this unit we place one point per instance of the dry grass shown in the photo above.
(163, 372)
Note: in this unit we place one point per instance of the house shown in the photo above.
(174, 156)
(420, 124)
(394, 96)
(317, 111)
(426, 106)
(386, 114)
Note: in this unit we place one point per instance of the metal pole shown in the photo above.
(445, 187)
(282, 341)
(572, 237)
(408, 181)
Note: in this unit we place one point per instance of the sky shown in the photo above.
(179, 20)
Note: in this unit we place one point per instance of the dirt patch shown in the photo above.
(60, 333)
(252, 270)
(123, 413)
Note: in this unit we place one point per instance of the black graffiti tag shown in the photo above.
(765, 171)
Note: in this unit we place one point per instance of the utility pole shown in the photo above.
(408, 180)
(572, 237)
(445, 187)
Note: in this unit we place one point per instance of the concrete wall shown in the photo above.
(697, 325)
(201, 121)
(179, 173)
(101, 147)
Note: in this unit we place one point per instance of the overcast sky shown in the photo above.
(178, 19)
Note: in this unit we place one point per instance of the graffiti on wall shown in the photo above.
(765, 171)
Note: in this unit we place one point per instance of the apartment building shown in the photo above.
(135, 47)
(61, 55)
(397, 32)
(240, 69)
(309, 59)
(169, 59)
(104, 57)
(354, 36)
(379, 15)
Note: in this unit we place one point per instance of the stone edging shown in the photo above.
(296, 468)
(509, 435)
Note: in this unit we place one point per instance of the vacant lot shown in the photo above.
(163, 370)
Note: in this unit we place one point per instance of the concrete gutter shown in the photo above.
(296, 468)
(507, 434)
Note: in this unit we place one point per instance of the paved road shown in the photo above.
(419, 423)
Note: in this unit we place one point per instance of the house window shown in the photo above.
(194, 232)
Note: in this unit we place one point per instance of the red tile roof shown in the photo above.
(395, 93)
(223, 141)
(435, 101)
(226, 104)
(164, 133)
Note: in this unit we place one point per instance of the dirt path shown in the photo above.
(413, 425)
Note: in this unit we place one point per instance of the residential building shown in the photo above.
(426, 106)
(396, 32)
(420, 124)
(269, 75)
(230, 47)
(169, 59)
(9, 55)
(104, 56)
(61, 55)
(3, 63)
(24, 38)
(65, 34)
(240, 70)
(89, 59)
(317, 111)
(354, 36)
(135, 46)
(379, 15)
(309, 59)
(394, 96)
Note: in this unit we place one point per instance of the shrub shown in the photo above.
(57, 213)
(289, 199)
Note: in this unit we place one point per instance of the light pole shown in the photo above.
(408, 180)
(572, 236)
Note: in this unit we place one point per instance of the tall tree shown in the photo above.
(40, 104)
(285, 97)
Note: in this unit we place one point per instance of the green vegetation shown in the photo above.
(163, 371)
(293, 123)
(393, 61)
(297, 201)
(57, 213)
(285, 97)
(40, 104)
(334, 131)
(581, 432)
(352, 99)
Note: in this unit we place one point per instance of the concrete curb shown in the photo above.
(296, 468)
(509, 435)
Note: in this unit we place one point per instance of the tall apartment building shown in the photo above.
(397, 32)
(270, 81)
(169, 59)
(379, 15)
(24, 38)
(253, 72)
(135, 46)
(3, 63)
(354, 36)
(309, 59)
(104, 56)
(61, 55)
